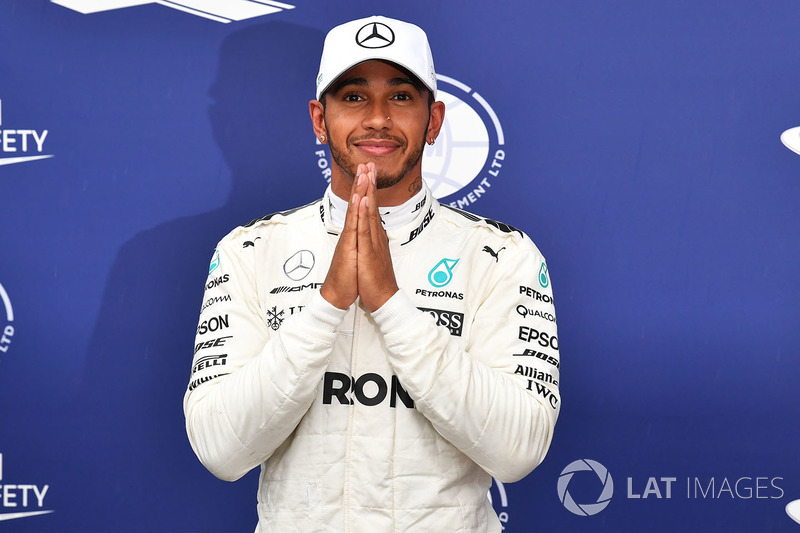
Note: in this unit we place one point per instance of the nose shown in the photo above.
(377, 117)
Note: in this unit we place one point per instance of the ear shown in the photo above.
(436, 120)
(317, 113)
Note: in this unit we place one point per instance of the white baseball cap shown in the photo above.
(371, 38)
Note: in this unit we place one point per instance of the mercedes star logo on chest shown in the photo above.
(299, 265)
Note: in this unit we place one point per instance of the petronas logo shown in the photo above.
(442, 273)
(544, 281)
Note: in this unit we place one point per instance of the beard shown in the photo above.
(383, 179)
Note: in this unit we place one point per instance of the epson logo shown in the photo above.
(213, 324)
(369, 389)
(209, 361)
(544, 339)
(296, 288)
(450, 319)
(213, 343)
(217, 281)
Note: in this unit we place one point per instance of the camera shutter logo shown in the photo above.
(585, 509)
(299, 265)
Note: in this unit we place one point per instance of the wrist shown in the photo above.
(332, 298)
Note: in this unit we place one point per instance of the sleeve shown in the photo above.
(248, 389)
(498, 400)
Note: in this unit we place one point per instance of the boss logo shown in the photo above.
(449, 319)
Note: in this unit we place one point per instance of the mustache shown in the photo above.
(378, 137)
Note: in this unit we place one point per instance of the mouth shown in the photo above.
(377, 147)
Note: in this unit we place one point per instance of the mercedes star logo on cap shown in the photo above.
(375, 35)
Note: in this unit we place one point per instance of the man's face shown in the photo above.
(375, 113)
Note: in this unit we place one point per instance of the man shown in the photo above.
(379, 355)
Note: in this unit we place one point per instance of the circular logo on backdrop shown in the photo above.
(375, 35)
(469, 153)
(499, 500)
(299, 265)
(585, 509)
(6, 320)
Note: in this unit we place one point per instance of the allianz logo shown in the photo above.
(218, 11)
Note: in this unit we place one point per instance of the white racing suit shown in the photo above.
(394, 420)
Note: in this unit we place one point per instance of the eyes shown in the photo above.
(356, 96)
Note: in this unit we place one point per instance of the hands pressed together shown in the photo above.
(361, 264)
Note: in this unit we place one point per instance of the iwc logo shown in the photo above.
(585, 509)
(375, 35)
(470, 150)
(6, 321)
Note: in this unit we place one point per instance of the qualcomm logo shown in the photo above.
(8, 330)
(18, 142)
(21, 496)
(468, 153)
(227, 11)
(791, 138)
(585, 509)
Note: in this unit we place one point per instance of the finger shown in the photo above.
(364, 229)
(356, 192)
(377, 233)
(362, 180)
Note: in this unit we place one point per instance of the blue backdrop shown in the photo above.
(637, 143)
